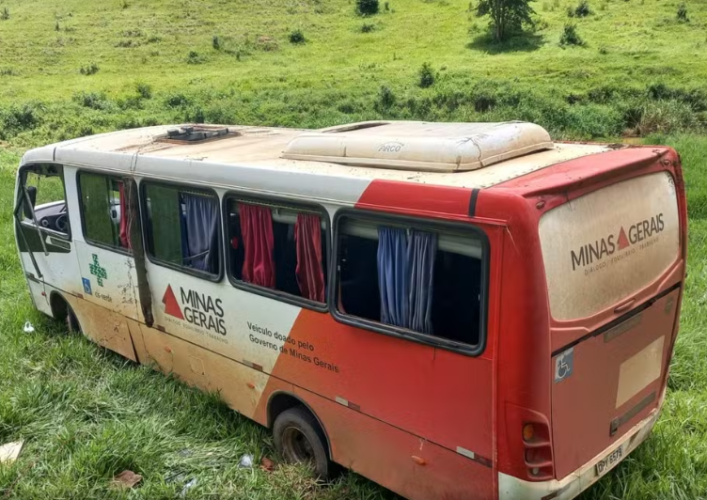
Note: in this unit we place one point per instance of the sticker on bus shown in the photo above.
(564, 364)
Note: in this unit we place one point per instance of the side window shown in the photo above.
(44, 185)
(278, 247)
(183, 227)
(424, 279)
(104, 210)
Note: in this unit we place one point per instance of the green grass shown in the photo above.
(86, 414)
(637, 73)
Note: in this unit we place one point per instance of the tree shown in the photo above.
(507, 16)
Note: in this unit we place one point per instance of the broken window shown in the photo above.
(183, 227)
(278, 247)
(104, 210)
(424, 279)
(45, 198)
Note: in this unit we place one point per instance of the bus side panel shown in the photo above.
(383, 386)
(439, 395)
(402, 462)
(238, 385)
(105, 327)
(523, 391)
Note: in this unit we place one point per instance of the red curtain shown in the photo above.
(258, 243)
(124, 219)
(308, 238)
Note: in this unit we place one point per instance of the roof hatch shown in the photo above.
(445, 147)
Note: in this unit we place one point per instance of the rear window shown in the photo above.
(604, 246)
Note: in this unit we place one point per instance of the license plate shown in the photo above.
(606, 464)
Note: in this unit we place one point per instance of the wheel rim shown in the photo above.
(295, 446)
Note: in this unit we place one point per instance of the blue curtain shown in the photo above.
(405, 277)
(201, 221)
(393, 276)
(421, 254)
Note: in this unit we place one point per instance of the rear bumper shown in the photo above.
(512, 488)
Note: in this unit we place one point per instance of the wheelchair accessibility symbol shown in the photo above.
(564, 365)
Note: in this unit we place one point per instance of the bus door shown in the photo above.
(107, 270)
(44, 232)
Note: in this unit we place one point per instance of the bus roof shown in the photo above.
(500, 152)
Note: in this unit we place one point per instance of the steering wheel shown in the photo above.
(62, 223)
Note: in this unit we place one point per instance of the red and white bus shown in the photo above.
(453, 310)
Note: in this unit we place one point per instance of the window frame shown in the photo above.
(98, 244)
(404, 333)
(22, 173)
(268, 292)
(146, 226)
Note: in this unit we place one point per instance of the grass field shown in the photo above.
(86, 414)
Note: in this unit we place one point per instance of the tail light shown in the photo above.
(538, 451)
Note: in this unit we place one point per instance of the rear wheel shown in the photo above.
(299, 439)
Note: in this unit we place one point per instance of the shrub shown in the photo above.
(387, 6)
(176, 100)
(367, 28)
(16, 119)
(367, 7)
(195, 58)
(89, 69)
(426, 75)
(682, 13)
(695, 98)
(144, 90)
(92, 100)
(216, 42)
(582, 10)
(297, 37)
(124, 4)
(660, 117)
(386, 97)
(570, 36)
(57, 27)
(5, 14)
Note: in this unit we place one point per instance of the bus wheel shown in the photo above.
(63, 312)
(72, 322)
(299, 439)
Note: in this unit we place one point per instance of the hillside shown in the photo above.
(231, 61)
(70, 68)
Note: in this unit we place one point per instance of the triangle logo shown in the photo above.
(623, 240)
(171, 306)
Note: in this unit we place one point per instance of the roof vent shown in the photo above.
(441, 147)
(195, 134)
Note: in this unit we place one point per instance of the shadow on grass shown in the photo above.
(526, 42)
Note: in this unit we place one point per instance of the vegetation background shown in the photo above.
(603, 70)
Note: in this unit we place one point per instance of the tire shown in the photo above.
(300, 439)
(72, 322)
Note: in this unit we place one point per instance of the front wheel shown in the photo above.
(72, 322)
(299, 439)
